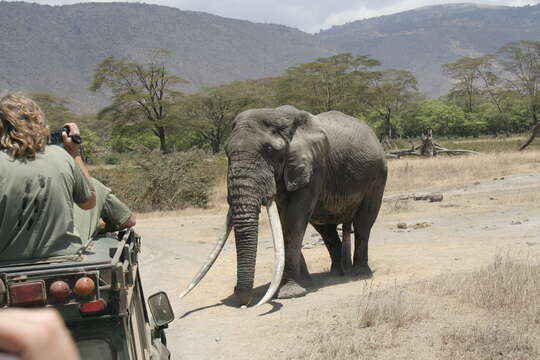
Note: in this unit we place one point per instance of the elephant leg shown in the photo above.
(294, 221)
(304, 272)
(333, 245)
(363, 221)
(346, 264)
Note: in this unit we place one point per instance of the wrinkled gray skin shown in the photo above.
(325, 170)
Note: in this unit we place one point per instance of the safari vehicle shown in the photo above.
(100, 296)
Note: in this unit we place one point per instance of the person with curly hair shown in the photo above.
(39, 185)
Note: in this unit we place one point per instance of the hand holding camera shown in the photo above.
(56, 138)
(69, 136)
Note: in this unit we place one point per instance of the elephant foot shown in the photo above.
(290, 290)
(336, 270)
(243, 296)
(362, 271)
(346, 266)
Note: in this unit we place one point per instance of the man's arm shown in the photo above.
(74, 150)
(107, 227)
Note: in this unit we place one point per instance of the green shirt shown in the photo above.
(108, 207)
(36, 205)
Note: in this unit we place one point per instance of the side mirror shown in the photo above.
(161, 309)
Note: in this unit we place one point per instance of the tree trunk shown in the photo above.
(534, 114)
(427, 148)
(216, 146)
(162, 140)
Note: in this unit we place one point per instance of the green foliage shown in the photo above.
(339, 83)
(465, 73)
(498, 91)
(90, 145)
(443, 118)
(209, 113)
(521, 62)
(132, 137)
(142, 93)
(391, 93)
(55, 109)
(165, 182)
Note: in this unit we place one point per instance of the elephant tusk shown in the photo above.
(213, 256)
(279, 253)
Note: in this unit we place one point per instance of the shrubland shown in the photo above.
(164, 182)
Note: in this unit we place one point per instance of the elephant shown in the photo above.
(324, 169)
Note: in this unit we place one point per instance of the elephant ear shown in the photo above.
(307, 149)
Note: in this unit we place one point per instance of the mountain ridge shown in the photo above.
(204, 49)
(423, 39)
(56, 48)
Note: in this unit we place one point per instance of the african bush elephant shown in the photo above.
(325, 170)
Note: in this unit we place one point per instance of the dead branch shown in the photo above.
(428, 148)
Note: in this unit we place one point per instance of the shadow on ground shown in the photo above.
(318, 281)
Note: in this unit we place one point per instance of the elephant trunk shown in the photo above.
(246, 226)
(250, 185)
(246, 233)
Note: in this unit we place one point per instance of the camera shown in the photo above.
(55, 137)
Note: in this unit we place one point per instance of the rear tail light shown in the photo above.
(84, 287)
(93, 306)
(27, 293)
(59, 291)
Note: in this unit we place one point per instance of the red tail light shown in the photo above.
(27, 293)
(84, 287)
(93, 306)
(59, 291)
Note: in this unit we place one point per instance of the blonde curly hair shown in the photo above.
(23, 129)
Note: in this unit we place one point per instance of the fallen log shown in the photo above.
(428, 148)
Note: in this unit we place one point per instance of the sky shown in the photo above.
(307, 15)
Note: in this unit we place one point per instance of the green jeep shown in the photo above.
(100, 296)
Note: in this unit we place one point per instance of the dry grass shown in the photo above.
(393, 307)
(493, 342)
(507, 289)
(369, 328)
(510, 284)
(350, 344)
(415, 173)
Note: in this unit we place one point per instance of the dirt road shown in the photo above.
(466, 230)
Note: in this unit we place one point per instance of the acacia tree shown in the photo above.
(211, 111)
(140, 91)
(490, 82)
(521, 61)
(55, 109)
(392, 90)
(334, 83)
(465, 73)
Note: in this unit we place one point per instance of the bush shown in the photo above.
(112, 160)
(165, 182)
(510, 284)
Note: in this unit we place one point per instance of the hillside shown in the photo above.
(423, 39)
(56, 48)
